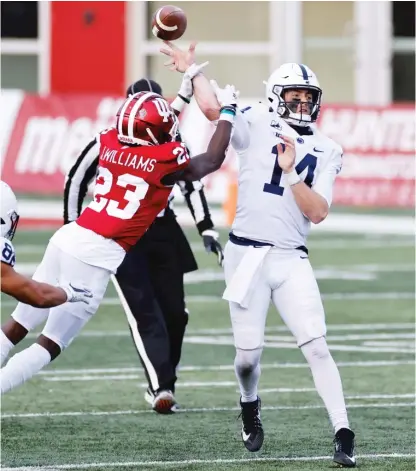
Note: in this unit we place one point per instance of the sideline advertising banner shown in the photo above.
(42, 136)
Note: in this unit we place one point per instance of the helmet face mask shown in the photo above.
(292, 77)
(9, 217)
(11, 226)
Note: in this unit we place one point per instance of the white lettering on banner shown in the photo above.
(370, 130)
(379, 147)
(41, 145)
(51, 145)
(10, 103)
(374, 193)
(376, 166)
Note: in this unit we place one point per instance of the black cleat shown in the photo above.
(344, 448)
(252, 431)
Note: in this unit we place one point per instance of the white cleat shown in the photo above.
(149, 396)
(163, 402)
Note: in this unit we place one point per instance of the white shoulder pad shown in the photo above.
(336, 151)
(337, 154)
(8, 255)
(252, 113)
(327, 141)
(245, 117)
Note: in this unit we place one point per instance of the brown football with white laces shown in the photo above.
(169, 23)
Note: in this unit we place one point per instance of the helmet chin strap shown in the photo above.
(294, 119)
(297, 119)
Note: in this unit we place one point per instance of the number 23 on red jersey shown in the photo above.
(109, 182)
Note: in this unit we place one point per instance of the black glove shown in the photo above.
(211, 244)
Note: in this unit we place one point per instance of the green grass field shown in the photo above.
(87, 411)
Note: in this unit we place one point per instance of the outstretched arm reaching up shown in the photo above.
(212, 159)
(204, 94)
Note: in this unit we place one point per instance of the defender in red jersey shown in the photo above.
(139, 163)
(129, 193)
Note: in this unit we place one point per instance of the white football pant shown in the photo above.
(286, 278)
(64, 322)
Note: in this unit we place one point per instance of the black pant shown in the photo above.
(151, 278)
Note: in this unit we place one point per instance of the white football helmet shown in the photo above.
(9, 216)
(288, 77)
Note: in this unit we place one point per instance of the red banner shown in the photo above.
(379, 154)
(47, 134)
(47, 137)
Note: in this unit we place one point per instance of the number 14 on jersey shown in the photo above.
(309, 162)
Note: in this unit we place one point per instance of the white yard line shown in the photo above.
(375, 405)
(30, 248)
(381, 343)
(193, 368)
(330, 337)
(286, 342)
(124, 377)
(383, 396)
(336, 272)
(366, 296)
(229, 341)
(312, 244)
(349, 348)
(330, 328)
(375, 267)
(269, 330)
(358, 244)
(178, 464)
(135, 376)
(352, 397)
(378, 340)
(326, 296)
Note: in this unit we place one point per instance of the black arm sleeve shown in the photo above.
(197, 203)
(78, 179)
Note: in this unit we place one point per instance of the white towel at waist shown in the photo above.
(240, 287)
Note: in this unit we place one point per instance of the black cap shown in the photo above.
(144, 85)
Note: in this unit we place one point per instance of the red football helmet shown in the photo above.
(146, 118)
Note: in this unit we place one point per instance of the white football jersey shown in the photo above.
(8, 255)
(266, 207)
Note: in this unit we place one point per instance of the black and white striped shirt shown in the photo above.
(85, 169)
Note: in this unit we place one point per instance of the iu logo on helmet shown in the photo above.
(163, 109)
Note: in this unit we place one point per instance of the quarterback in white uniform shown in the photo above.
(287, 169)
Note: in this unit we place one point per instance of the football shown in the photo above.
(169, 23)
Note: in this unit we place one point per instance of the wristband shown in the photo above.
(227, 113)
(292, 177)
(178, 103)
(185, 99)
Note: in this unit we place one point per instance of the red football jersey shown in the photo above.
(128, 193)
